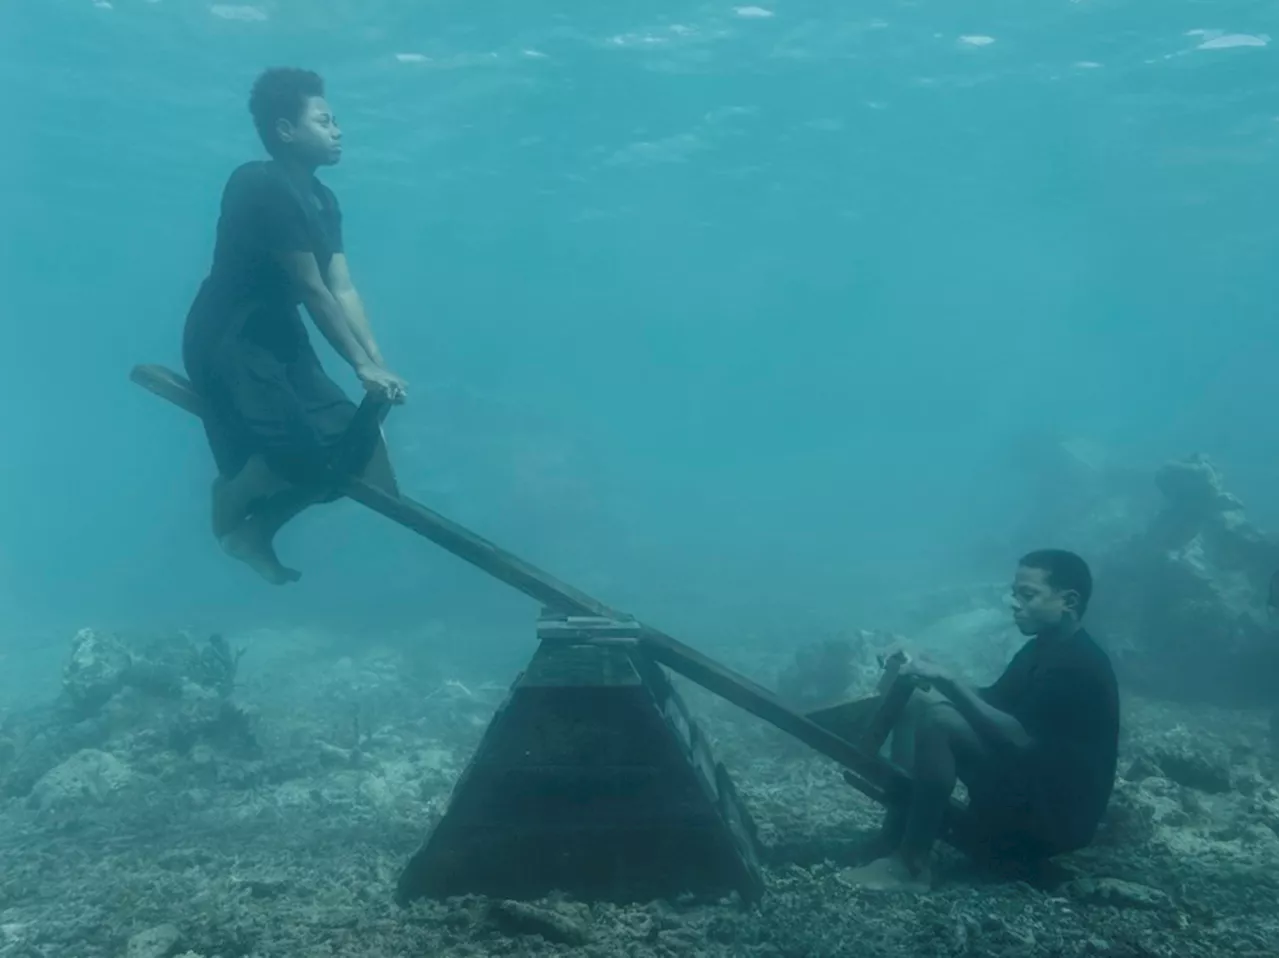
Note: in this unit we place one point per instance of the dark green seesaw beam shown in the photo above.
(870, 774)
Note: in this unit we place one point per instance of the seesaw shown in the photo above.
(592, 778)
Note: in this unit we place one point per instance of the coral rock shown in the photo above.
(89, 777)
(96, 669)
(158, 942)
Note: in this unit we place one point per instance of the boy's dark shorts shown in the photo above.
(1009, 821)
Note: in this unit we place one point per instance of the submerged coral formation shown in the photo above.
(1183, 602)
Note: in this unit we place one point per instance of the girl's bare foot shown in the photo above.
(248, 543)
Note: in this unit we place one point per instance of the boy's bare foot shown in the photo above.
(890, 874)
(248, 544)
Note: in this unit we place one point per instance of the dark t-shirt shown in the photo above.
(1064, 694)
(265, 212)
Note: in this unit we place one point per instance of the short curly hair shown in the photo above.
(281, 93)
(1064, 571)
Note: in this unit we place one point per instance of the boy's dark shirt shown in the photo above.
(1063, 692)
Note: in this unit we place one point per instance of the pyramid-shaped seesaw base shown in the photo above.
(591, 780)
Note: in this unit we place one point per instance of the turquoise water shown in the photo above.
(720, 312)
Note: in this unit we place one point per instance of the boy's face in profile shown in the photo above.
(1037, 605)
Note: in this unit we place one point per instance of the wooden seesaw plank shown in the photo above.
(876, 778)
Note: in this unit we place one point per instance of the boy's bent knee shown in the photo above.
(942, 719)
(920, 703)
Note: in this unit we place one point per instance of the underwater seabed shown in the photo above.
(183, 801)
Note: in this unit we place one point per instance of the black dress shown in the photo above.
(245, 346)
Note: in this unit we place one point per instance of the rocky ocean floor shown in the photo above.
(180, 802)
